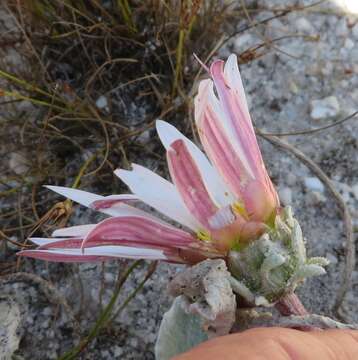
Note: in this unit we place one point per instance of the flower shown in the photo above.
(220, 204)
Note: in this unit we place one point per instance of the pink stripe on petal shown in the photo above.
(112, 200)
(72, 243)
(186, 177)
(221, 153)
(239, 120)
(138, 230)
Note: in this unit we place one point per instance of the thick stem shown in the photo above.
(290, 304)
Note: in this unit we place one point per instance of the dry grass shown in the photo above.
(137, 56)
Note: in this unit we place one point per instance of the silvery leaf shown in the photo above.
(178, 332)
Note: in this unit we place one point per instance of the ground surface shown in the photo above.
(282, 88)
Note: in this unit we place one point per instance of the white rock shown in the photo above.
(349, 44)
(242, 42)
(325, 108)
(313, 184)
(355, 191)
(285, 195)
(355, 31)
(102, 102)
(117, 351)
(342, 28)
(303, 25)
(18, 163)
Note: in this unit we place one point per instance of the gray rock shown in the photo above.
(9, 322)
(331, 258)
(313, 184)
(325, 108)
(291, 179)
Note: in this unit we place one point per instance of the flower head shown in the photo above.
(219, 204)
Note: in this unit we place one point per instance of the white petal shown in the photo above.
(121, 197)
(86, 198)
(82, 197)
(44, 241)
(74, 231)
(233, 77)
(158, 193)
(114, 251)
(213, 182)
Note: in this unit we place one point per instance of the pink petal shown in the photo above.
(96, 254)
(221, 152)
(56, 243)
(260, 201)
(137, 230)
(186, 177)
(239, 118)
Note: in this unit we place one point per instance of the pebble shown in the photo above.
(285, 195)
(303, 25)
(325, 108)
(331, 258)
(105, 354)
(349, 44)
(355, 31)
(355, 191)
(342, 28)
(315, 198)
(18, 164)
(102, 103)
(47, 311)
(291, 179)
(117, 351)
(242, 42)
(313, 184)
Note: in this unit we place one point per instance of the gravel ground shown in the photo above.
(301, 83)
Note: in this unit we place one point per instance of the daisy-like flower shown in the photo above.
(219, 204)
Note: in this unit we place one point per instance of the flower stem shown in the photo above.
(290, 304)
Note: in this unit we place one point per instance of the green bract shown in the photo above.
(275, 264)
